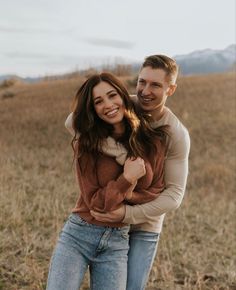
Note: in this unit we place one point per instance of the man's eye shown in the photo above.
(141, 81)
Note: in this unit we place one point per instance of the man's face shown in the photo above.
(153, 89)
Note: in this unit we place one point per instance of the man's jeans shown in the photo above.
(143, 247)
(103, 249)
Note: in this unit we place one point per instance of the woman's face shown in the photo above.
(108, 104)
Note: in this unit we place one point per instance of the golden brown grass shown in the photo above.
(197, 248)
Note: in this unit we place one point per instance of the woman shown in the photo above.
(102, 109)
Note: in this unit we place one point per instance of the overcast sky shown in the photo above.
(56, 36)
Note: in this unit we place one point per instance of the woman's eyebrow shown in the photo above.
(107, 93)
(111, 91)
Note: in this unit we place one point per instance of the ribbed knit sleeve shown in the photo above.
(142, 194)
(97, 197)
(176, 172)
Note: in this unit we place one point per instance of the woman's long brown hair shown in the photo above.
(139, 138)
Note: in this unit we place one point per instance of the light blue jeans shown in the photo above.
(142, 251)
(81, 245)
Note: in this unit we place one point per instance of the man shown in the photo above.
(156, 82)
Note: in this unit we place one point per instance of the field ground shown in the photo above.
(197, 249)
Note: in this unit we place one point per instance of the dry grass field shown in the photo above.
(197, 249)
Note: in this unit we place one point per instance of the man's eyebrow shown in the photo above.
(153, 83)
(157, 83)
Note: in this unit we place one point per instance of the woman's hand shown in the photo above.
(134, 169)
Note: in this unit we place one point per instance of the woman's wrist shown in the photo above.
(129, 195)
(130, 179)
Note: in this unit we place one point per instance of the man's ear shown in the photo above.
(171, 90)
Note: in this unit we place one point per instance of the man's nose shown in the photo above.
(146, 90)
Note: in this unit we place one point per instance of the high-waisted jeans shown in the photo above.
(81, 245)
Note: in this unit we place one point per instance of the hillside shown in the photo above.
(38, 189)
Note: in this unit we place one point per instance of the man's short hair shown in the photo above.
(159, 61)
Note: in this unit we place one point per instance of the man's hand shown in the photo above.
(111, 216)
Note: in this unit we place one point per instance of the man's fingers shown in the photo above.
(102, 217)
(112, 216)
(98, 214)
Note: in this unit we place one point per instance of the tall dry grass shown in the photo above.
(197, 248)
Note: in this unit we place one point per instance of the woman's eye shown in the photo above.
(97, 102)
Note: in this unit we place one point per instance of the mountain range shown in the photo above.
(208, 61)
(197, 62)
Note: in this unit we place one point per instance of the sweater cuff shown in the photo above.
(128, 215)
(123, 184)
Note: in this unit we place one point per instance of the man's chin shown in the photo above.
(145, 107)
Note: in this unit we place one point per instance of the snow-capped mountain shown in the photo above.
(207, 61)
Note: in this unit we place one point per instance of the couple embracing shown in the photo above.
(131, 162)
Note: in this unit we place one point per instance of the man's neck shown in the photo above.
(158, 114)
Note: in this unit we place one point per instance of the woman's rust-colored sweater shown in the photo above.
(104, 188)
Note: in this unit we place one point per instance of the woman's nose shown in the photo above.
(108, 103)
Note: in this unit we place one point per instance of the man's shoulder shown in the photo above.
(176, 126)
(178, 133)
